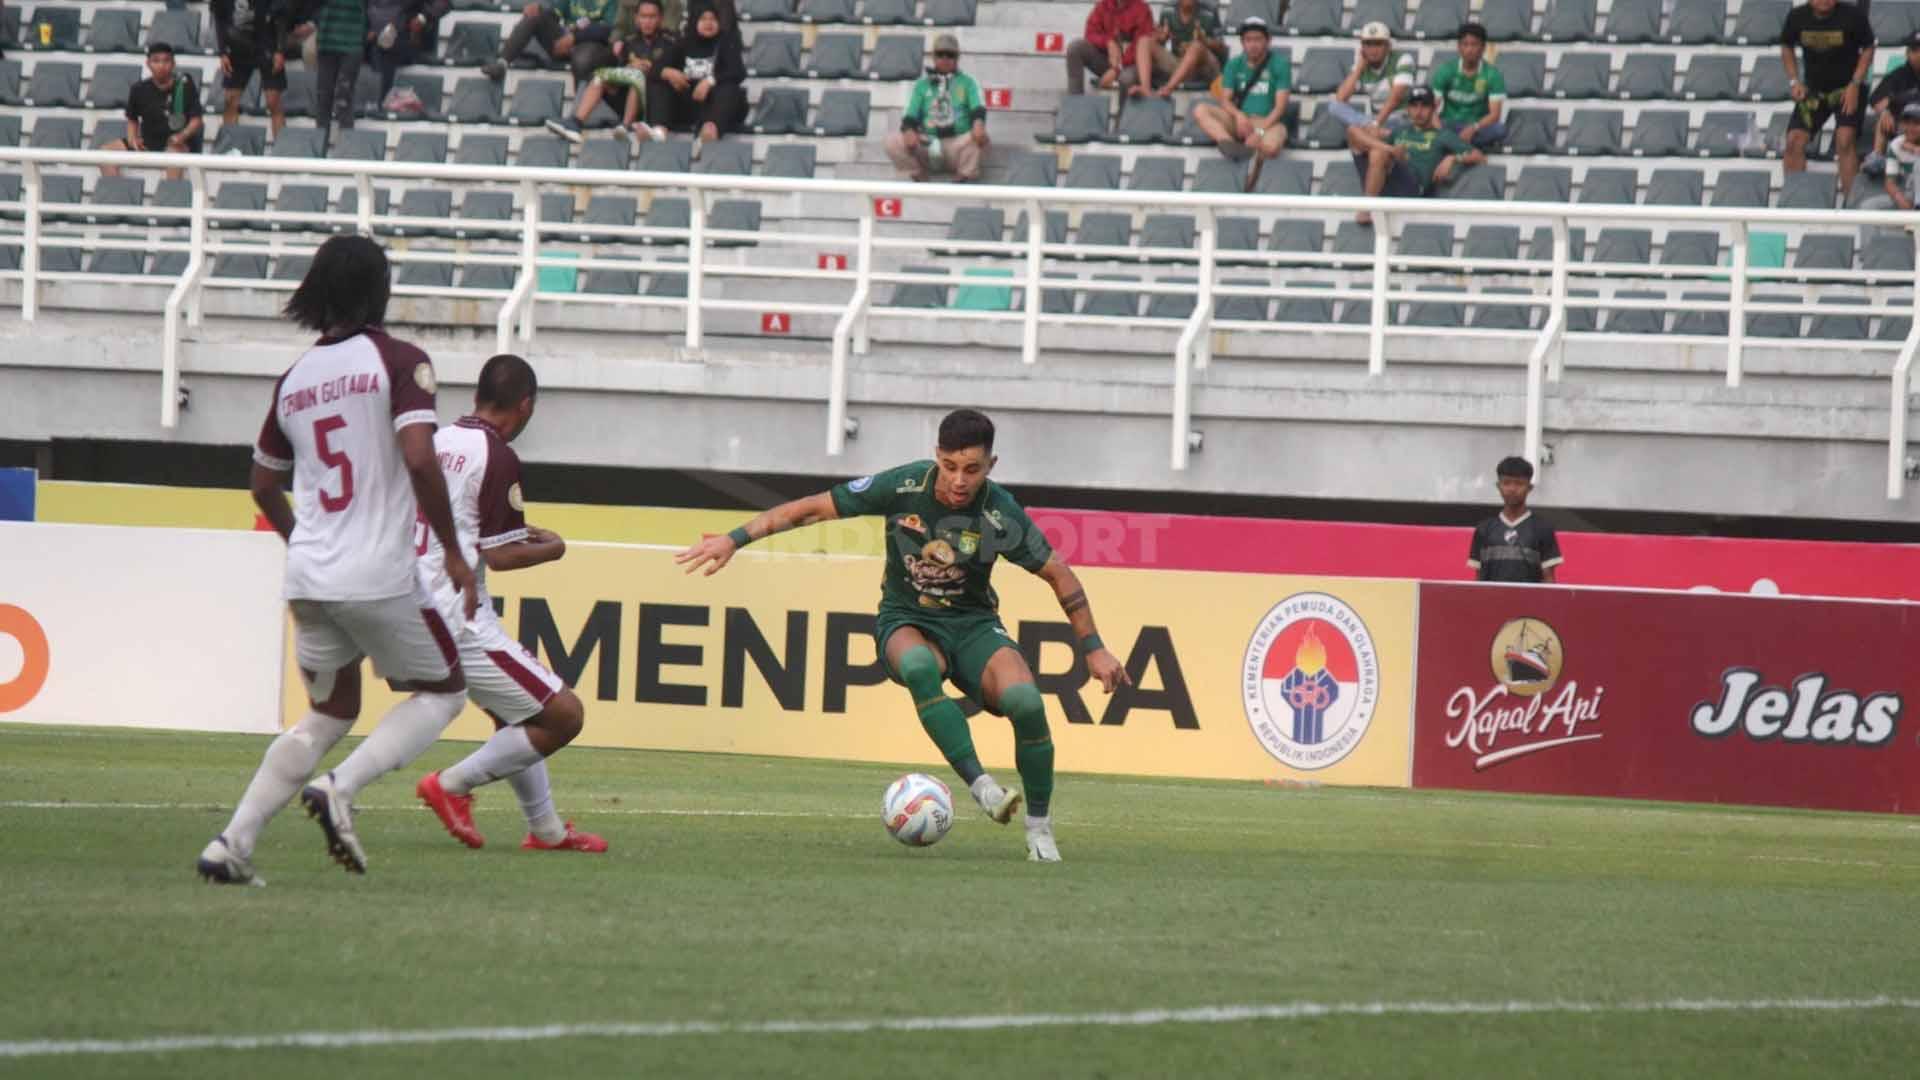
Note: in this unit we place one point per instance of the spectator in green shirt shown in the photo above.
(945, 120)
(1472, 92)
(1377, 86)
(1186, 45)
(1409, 161)
(1250, 97)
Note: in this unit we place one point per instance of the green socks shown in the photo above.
(940, 715)
(1032, 744)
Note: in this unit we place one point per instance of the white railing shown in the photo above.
(1031, 254)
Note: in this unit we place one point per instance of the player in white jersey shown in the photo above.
(353, 420)
(533, 712)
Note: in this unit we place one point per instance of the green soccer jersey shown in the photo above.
(1254, 91)
(1427, 148)
(939, 559)
(1466, 98)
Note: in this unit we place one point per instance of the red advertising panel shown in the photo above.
(1328, 548)
(1684, 696)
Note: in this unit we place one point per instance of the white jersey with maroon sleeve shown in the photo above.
(483, 483)
(332, 422)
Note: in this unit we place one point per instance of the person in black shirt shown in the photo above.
(634, 88)
(1513, 545)
(707, 77)
(163, 112)
(1897, 90)
(253, 37)
(1837, 42)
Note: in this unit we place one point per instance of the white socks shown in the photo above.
(507, 752)
(536, 802)
(289, 762)
(403, 734)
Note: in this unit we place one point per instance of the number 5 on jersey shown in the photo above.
(336, 459)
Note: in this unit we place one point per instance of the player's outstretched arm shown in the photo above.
(270, 495)
(430, 495)
(716, 551)
(1101, 664)
(540, 546)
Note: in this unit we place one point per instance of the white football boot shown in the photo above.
(221, 865)
(998, 802)
(327, 806)
(1040, 845)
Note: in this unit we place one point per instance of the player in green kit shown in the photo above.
(939, 616)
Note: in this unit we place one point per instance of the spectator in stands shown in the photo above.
(163, 112)
(945, 119)
(1250, 100)
(1473, 91)
(577, 31)
(1110, 44)
(1378, 84)
(340, 42)
(252, 37)
(1901, 187)
(1513, 545)
(1408, 160)
(1837, 43)
(1898, 89)
(634, 89)
(1187, 45)
(707, 77)
(398, 30)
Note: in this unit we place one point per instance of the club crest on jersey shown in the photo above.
(911, 523)
(1512, 535)
(862, 484)
(969, 543)
(513, 497)
(1310, 680)
(423, 376)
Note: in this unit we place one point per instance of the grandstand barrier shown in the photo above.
(524, 248)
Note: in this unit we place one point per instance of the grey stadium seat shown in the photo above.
(1439, 20)
(1824, 251)
(481, 206)
(1809, 190)
(180, 29)
(114, 30)
(1722, 133)
(1525, 72)
(1768, 83)
(1845, 326)
(1893, 20)
(766, 10)
(781, 110)
(247, 265)
(435, 203)
(359, 144)
(1675, 187)
(843, 112)
(1322, 70)
(1356, 312)
(1103, 229)
(1690, 247)
(1311, 18)
(170, 195)
(825, 11)
(10, 82)
(490, 278)
(1236, 234)
(1646, 76)
(438, 275)
(1774, 324)
(951, 12)
(1173, 305)
(293, 142)
(1701, 323)
(1174, 232)
(1097, 172)
(896, 58)
(9, 130)
(1144, 120)
(976, 223)
(422, 147)
(116, 191)
(609, 211)
(1890, 253)
(1544, 183)
(612, 154)
(247, 140)
(1636, 320)
(1426, 240)
(1053, 227)
(1158, 174)
(1712, 78)
(350, 204)
(1341, 180)
(1742, 188)
(544, 152)
(1497, 316)
(794, 161)
(1896, 327)
(1305, 309)
(556, 208)
(481, 150)
(888, 12)
(1240, 308)
(1593, 132)
(609, 281)
(727, 157)
(300, 199)
(1353, 238)
(774, 54)
(667, 284)
(62, 21)
(1540, 247)
(1287, 176)
(426, 87)
(55, 84)
(1081, 118)
(109, 86)
(476, 100)
(470, 44)
(1326, 132)
(1659, 133)
(920, 294)
(833, 56)
(1216, 175)
(1490, 242)
(1569, 20)
(536, 101)
(1698, 22)
(1533, 131)
(676, 157)
(1113, 303)
(734, 215)
(1483, 181)
(1506, 20)
(55, 133)
(243, 197)
(1436, 313)
(1633, 22)
(1298, 235)
(1033, 169)
(1759, 21)
(668, 213)
(1633, 247)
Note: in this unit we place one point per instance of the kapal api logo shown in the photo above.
(1310, 680)
(1521, 713)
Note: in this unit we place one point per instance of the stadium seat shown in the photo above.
(1888, 253)
(1483, 181)
(10, 82)
(425, 86)
(1305, 309)
(1636, 320)
(1824, 251)
(1808, 190)
(1711, 78)
(1439, 20)
(245, 265)
(976, 223)
(896, 58)
(779, 111)
(888, 13)
(536, 151)
(1095, 172)
(56, 133)
(668, 213)
(295, 101)
(300, 199)
(556, 208)
(1441, 313)
(1701, 323)
(110, 84)
(1173, 305)
(1216, 175)
(766, 10)
(1892, 21)
(435, 275)
(1505, 20)
(244, 199)
(842, 112)
(1659, 133)
(1112, 303)
(1690, 247)
(422, 147)
(614, 154)
(170, 195)
(1033, 169)
(1896, 327)
(470, 44)
(1540, 247)
(669, 157)
(1053, 227)
(1489, 242)
(1758, 22)
(1353, 238)
(1240, 308)
(951, 12)
(1356, 312)
(1840, 326)
(435, 203)
(1496, 316)
(481, 150)
(1103, 229)
(825, 11)
(1426, 240)
(726, 157)
(350, 204)
(1570, 20)
(1697, 22)
(774, 54)
(1309, 18)
(51, 27)
(1774, 324)
(919, 294)
(1633, 247)
(1742, 188)
(536, 101)
(1287, 176)
(1391, 12)
(117, 261)
(1544, 183)
(1525, 72)
(1081, 118)
(296, 142)
(1646, 77)
(793, 161)
(1326, 132)
(1174, 232)
(609, 211)
(1633, 22)
(116, 192)
(833, 56)
(1721, 134)
(664, 284)
(1533, 131)
(359, 144)
(734, 215)
(1768, 83)
(609, 281)
(1161, 174)
(59, 258)
(9, 27)
(1675, 187)
(1322, 70)
(1143, 120)
(1593, 132)
(1236, 234)
(114, 30)
(1341, 180)
(9, 130)
(178, 28)
(1305, 236)
(482, 206)
(490, 278)
(55, 84)
(248, 140)
(476, 100)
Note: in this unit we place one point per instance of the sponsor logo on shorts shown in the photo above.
(1310, 680)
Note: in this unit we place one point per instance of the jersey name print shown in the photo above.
(483, 484)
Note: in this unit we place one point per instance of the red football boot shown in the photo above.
(573, 841)
(454, 811)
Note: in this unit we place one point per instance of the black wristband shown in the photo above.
(739, 537)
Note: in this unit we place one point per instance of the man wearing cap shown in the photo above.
(1898, 89)
(1472, 92)
(1187, 45)
(1249, 99)
(946, 118)
(1407, 162)
(1836, 43)
(1110, 44)
(1374, 90)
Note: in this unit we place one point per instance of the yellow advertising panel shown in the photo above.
(1238, 676)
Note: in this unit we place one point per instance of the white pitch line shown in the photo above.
(665, 1029)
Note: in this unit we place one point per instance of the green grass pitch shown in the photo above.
(742, 892)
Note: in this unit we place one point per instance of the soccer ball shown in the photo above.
(918, 810)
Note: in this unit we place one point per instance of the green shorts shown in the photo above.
(967, 641)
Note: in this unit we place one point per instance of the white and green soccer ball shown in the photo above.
(918, 810)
